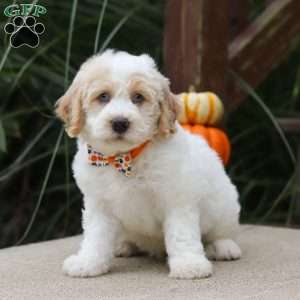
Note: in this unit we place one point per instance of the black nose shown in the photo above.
(120, 125)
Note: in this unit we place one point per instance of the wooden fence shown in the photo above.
(206, 39)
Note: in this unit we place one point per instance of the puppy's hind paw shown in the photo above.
(223, 250)
(190, 267)
(127, 249)
(79, 266)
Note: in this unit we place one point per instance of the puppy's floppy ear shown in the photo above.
(169, 110)
(69, 109)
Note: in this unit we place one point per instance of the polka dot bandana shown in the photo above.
(121, 162)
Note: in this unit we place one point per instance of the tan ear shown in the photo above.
(69, 109)
(169, 110)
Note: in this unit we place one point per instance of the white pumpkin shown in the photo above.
(200, 108)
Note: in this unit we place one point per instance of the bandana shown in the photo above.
(122, 162)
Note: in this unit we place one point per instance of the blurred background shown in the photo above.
(38, 197)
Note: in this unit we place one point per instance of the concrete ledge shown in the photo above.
(269, 269)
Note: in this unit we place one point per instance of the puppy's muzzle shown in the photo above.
(120, 125)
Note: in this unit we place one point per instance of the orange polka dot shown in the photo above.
(110, 159)
(94, 158)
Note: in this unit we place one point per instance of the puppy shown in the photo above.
(148, 185)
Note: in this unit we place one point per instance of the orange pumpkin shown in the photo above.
(215, 138)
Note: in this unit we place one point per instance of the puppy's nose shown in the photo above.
(120, 125)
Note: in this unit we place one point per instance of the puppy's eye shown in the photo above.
(104, 97)
(137, 98)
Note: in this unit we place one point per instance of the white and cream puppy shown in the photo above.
(175, 197)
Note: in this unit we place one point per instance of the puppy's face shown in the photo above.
(118, 101)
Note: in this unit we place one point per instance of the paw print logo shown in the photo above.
(24, 31)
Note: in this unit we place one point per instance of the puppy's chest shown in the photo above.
(131, 200)
(137, 211)
(135, 206)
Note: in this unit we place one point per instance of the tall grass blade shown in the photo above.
(25, 67)
(69, 45)
(293, 203)
(44, 186)
(99, 26)
(116, 29)
(25, 164)
(4, 57)
(2, 138)
(17, 113)
(30, 61)
(247, 88)
(296, 88)
(26, 150)
(282, 194)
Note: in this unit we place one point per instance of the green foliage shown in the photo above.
(263, 161)
(39, 199)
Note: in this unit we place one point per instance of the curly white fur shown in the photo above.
(179, 193)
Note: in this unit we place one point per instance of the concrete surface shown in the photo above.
(269, 269)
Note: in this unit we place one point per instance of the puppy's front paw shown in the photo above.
(80, 266)
(190, 267)
(223, 250)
